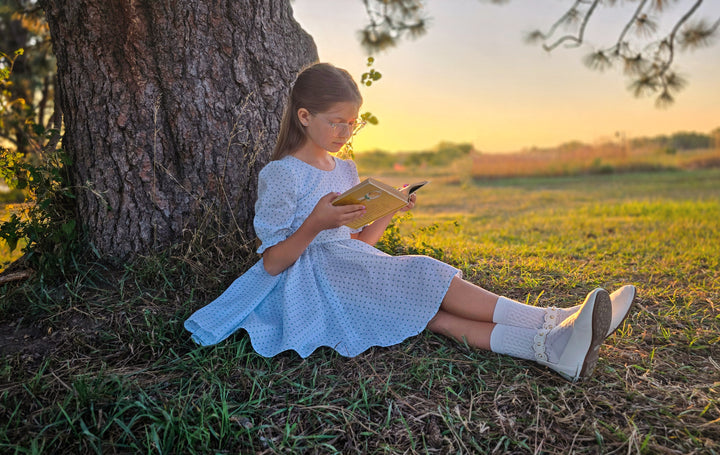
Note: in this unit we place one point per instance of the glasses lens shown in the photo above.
(346, 129)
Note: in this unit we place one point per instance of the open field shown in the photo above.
(461, 161)
(102, 363)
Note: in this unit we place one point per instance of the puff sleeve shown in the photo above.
(275, 206)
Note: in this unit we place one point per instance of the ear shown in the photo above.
(304, 116)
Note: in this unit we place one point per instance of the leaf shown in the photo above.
(37, 129)
(11, 232)
(68, 228)
(12, 243)
(370, 118)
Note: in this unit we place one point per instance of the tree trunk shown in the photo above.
(171, 108)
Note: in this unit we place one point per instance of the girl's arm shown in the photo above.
(371, 234)
(282, 255)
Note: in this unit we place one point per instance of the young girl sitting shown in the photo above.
(320, 283)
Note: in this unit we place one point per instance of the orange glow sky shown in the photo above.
(472, 79)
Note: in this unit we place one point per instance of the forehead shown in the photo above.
(344, 110)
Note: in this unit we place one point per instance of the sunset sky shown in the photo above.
(471, 78)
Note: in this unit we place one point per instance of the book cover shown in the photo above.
(378, 198)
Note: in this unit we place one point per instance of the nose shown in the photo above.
(345, 132)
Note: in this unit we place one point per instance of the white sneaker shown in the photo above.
(589, 327)
(621, 300)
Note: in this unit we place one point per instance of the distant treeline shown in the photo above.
(678, 141)
(683, 140)
(443, 154)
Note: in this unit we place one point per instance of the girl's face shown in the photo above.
(330, 130)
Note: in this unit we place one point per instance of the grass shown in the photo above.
(103, 365)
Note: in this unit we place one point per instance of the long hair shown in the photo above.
(316, 89)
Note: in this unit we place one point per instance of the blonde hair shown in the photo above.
(317, 88)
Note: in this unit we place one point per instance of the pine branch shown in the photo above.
(673, 34)
(652, 67)
(389, 21)
(564, 18)
(630, 23)
(576, 39)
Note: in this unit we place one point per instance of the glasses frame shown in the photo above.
(353, 128)
(336, 127)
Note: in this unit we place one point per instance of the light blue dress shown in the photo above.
(341, 292)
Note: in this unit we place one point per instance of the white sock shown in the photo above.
(513, 341)
(519, 342)
(516, 314)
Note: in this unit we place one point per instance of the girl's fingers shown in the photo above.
(330, 197)
(351, 215)
(336, 216)
(410, 204)
(353, 208)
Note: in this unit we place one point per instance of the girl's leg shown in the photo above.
(474, 333)
(468, 301)
(513, 341)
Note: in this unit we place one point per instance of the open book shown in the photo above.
(378, 198)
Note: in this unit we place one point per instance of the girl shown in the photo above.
(319, 283)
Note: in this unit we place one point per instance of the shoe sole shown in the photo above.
(627, 313)
(602, 318)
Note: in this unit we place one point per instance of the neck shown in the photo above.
(315, 156)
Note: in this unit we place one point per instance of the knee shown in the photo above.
(436, 324)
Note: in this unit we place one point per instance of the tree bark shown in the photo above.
(171, 108)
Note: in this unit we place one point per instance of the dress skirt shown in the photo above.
(372, 299)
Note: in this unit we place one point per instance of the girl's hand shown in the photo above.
(410, 204)
(327, 216)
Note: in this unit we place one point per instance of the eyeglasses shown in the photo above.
(346, 129)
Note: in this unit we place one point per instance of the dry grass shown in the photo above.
(586, 159)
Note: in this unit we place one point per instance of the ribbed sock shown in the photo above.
(519, 341)
(513, 341)
(516, 314)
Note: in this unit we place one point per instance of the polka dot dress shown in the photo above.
(341, 293)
